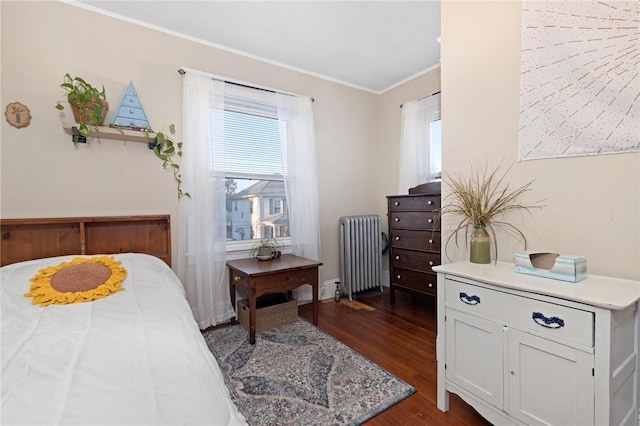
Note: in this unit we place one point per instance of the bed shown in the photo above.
(134, 357)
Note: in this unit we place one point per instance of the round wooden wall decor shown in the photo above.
(18, 115)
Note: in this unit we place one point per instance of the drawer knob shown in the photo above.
(430, 220)
(397, 277)
(397, 257)
(553, 322)
(430, 241)
(429, 202)
(431, 263)
(396, 219)
(237, 278)
(397, 238)
(396, 203)
(430, 285)
(469, 300)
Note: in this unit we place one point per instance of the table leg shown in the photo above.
(232, 294)
(315, 298)
(252, 315)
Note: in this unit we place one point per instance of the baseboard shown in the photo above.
(328, 289)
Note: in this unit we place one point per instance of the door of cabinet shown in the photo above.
(475, 356)
(549, 383)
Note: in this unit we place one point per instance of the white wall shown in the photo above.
(592, 203)
(43, 175)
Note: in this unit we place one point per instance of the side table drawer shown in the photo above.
(239, 278)
(286, 281)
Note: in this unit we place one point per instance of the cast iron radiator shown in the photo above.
(360, 253)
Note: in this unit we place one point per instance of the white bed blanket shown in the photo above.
(134, 358)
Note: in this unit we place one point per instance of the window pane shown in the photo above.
(252, 144)
(435, 147)
(256, 209)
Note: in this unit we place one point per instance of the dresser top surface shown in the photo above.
(595, 290)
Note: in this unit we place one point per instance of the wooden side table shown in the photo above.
(271, 276)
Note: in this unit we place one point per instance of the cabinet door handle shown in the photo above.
(553, 322)
(469, 300)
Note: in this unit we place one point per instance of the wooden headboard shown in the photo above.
(28, 239)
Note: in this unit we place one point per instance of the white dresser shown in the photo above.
(527, 350)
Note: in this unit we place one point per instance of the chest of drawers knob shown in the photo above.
(398, 239)
(397, 257)
(396, 219)
(429, 202)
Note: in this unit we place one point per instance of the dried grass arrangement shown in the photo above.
(481, 200)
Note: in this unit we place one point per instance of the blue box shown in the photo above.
(552, 265)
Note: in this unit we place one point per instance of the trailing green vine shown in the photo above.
(164, 147)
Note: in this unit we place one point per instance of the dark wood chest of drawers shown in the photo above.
(415, 240)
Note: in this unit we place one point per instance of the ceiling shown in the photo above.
(371, 45)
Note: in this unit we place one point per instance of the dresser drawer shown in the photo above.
(413, 220)
(411, 259)
(417, 203)
(419, 240)
(419, 281)
(549, 320)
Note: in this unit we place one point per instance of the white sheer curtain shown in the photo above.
(295, 115)
(415, 161)
(202, 222)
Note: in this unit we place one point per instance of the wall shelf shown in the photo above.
(105, 132)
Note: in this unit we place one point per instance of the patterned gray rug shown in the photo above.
(296, 374)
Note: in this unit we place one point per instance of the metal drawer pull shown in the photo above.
(396, 219)
(237, 278)
(430, 220)
(429, 202)
(469, 300)
(397, 277)
(430, 285)
(396, 203)
(397, 257)
(553, 322)
(397, 238)
(430, 241)
(431, 263)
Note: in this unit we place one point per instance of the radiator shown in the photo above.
(360, 253)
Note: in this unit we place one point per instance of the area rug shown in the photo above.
(296, 374)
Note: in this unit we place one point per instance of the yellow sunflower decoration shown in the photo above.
(82, 279)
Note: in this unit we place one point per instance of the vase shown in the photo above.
(480, 250)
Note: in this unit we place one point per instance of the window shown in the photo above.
(255, 165)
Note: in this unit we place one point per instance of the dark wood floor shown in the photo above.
(401, 339)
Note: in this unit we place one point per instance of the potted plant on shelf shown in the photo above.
(88, 104)
(480, 201)
(164, 147)
(266, 248)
